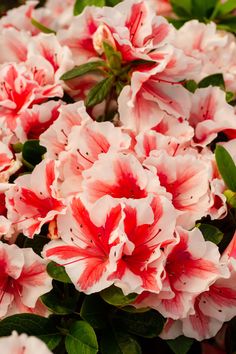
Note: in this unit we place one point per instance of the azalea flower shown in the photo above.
(22, 343)
(23, 280)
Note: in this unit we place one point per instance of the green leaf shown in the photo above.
(114, 296)
(202, 9)
(82, 69)
(117, 342)
(17, 147)
(99, 92)
(41, 27)
(112, 2)
(181, 8)
(81, 339)
(41, 327)
(229, 96)
(191, 85)
(230, 198)
(211, 233)
(114, 58)
(226, 167)
(180, 345)
(147, 324)
(225, 8)
(32, 152)
(81, 4)
(58, 303)
(228, 24)
(58, 272)
(213, 80)
(94, 310)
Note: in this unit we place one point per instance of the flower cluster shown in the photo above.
(128, 167)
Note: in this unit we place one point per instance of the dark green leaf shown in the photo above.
(41, 27)
(112, 2)
(181, 8)
(58, 303)
(212, 80)
(32, 152)
(228, 24)
(211, 233)
(226, 167)
(114, 296)
(81, 4)
(82, 69)
(94, 311)
(81, 339)
(99, 92)
(114, 58)
(202, 9)
(180, 345)
(58, 272)
(191, 85)
(117, 342)
(147, 324)
(41, 327)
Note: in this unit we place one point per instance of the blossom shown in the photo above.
(142, 263)
(187, 180)
(23, 280)
(33, 201)
(22, 343)
(210, 114)
(90, 246)
(200, 267)
(120, 176)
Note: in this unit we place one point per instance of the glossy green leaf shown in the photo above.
(32, 152)
(58, 272)
(81, 339)
(82, 69)
(99, 92)
(58, 303)
(180, 345)
(226, 167)
(114, 296)
(147, 324)
(94, 310)
(41, 27)
(117, 342)
(41, 327)
(211, 233)
(81, 4)
(212, 80)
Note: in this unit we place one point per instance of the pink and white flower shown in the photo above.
(91, 244)
(22, 344)
(210, 114)
(33, 199)
(23, 280)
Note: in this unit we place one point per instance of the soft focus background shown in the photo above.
(9, 4)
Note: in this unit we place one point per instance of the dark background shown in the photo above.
(9, 4)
